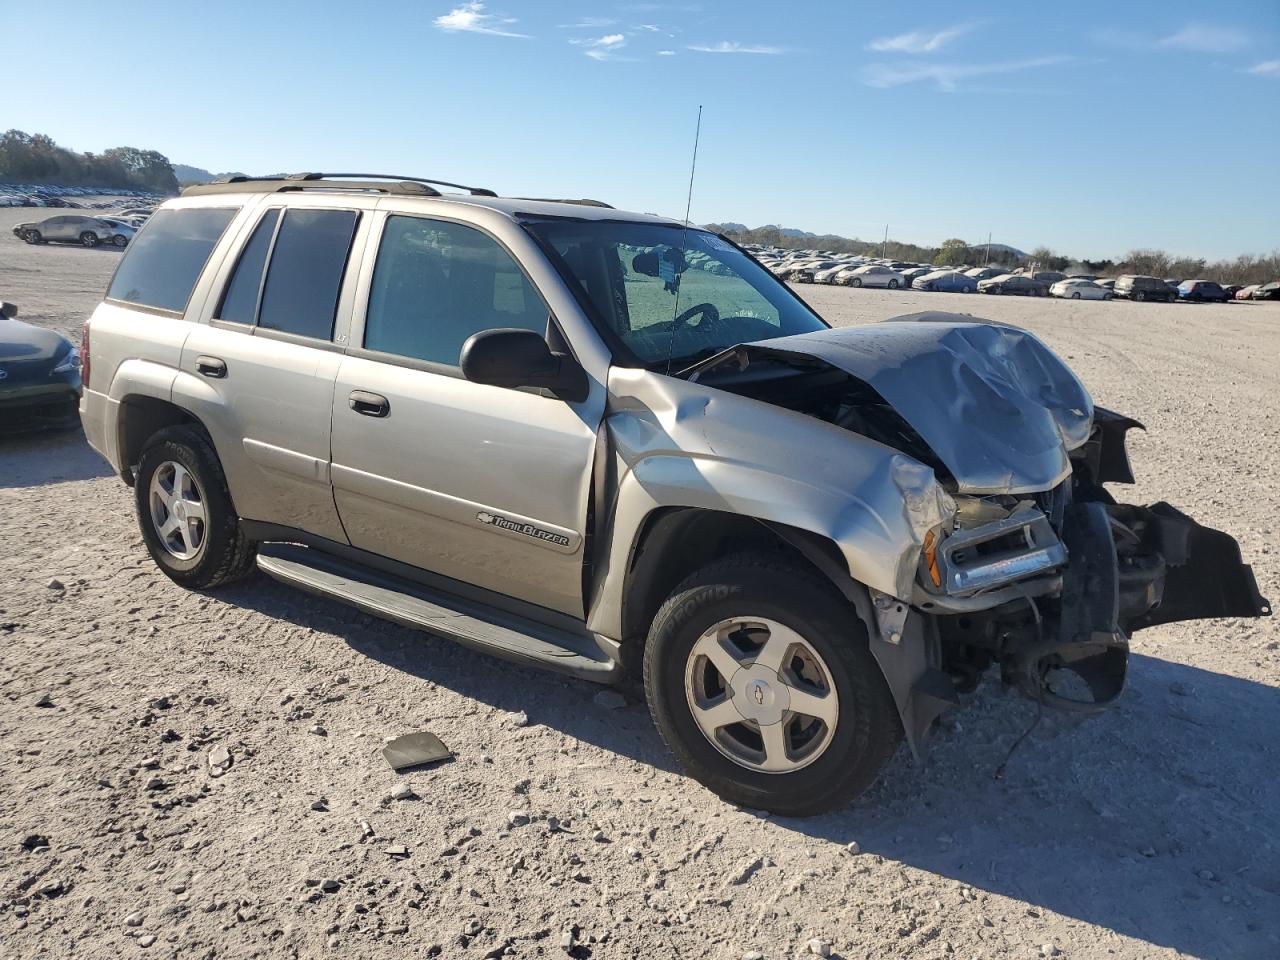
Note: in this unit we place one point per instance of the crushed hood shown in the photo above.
(996, 406)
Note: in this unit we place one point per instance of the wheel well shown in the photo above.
(142, 418)
(676, 542)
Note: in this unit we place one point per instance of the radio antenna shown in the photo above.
(684, 237)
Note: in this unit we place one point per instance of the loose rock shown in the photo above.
(819, 947)
(610, 699)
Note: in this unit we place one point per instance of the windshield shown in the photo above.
(657, 304)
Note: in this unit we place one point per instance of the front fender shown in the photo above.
(680, 444)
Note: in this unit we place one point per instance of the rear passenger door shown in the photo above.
(267, 360)
(478, 483)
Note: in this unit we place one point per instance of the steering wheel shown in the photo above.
(707, 311)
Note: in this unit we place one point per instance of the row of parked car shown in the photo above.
(70, 198)
(854, 271)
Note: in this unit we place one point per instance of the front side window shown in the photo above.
(300, 295)
(436, 283)
(165, 259)
(671, 296)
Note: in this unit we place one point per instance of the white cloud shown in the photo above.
(471, 18)
(947, 76)
(733, 46)
(589, 23)
(1267, 68)
(602, 48)
(1206, 38)
(666, 53)
(919, 42)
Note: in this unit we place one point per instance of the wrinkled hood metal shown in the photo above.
(998, 407)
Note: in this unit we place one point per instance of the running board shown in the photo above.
(421, 608)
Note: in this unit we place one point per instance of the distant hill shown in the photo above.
(189, 174)
(1000, 248)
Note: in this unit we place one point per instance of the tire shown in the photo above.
(1172, 298)
(120, 240)
(893, 284)
(756, 587)
(32, 236)
(1108, 296)
(223, 553)
(89, 238)
(1140, 296)
(1075, 296)
(855, 282)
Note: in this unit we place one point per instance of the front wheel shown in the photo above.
(32, 236)
(89, 238)
(893, 284)
(120, 240)
(1075, 296)
(855, 282)
(188, 521)
(760, 680)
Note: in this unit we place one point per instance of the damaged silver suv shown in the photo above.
(615, 446)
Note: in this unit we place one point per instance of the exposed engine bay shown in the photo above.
(1038, 569)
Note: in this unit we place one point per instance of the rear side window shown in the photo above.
(307, 263)
(240, 303)
(164, 261)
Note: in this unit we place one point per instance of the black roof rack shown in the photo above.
(582, 203)
(374, 182)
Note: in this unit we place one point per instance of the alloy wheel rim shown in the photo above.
(761, 695)
(177, 510)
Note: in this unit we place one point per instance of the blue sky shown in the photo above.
(1095, 128)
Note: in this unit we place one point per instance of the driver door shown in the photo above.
(482, 484)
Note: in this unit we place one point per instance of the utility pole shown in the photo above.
(884, 246)
(988, 248)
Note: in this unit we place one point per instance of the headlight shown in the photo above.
(70, 362)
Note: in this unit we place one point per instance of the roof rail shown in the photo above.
(373, 182)
(582, 203)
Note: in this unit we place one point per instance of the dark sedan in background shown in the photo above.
(1201, 291)
(39, 377)
(1015, 284)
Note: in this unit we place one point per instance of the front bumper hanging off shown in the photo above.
(1129, 568)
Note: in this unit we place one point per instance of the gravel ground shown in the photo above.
(1151, 831)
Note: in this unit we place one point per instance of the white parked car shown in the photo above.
(1077, 289)
(871, 276)
(829, 274)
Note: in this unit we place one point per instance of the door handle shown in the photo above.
(211, 367)
(369, 404)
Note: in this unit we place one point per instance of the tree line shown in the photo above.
(36, 158)
(1244, 269)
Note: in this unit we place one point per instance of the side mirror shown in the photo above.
(521, 358)
(8, 310)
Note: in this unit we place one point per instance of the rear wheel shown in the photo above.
(89, 238)
(760, 680)
(188, 521)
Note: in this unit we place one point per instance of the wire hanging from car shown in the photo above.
(1035, 612)
(684, 237)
